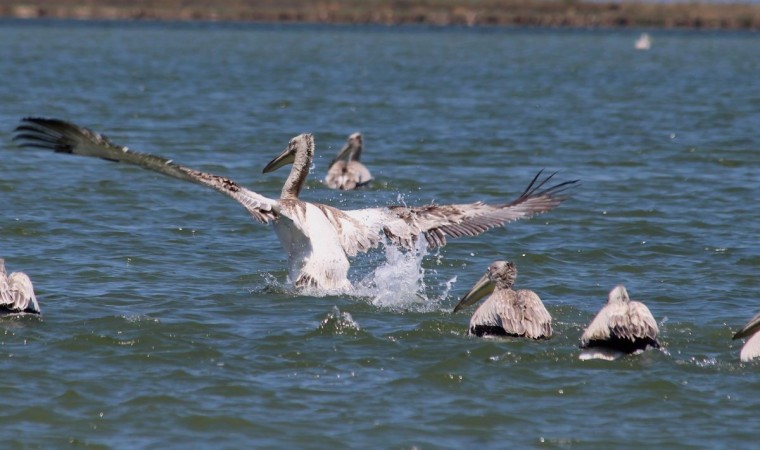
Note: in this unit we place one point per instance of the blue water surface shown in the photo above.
(168, 320)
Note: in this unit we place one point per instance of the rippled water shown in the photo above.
(167, 317)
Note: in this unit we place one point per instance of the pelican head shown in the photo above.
(299, 152)
(501, 274)
(618, 295)
(300, 148)
(352, 148)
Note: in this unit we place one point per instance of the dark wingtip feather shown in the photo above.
(534, 189)
(42, 133)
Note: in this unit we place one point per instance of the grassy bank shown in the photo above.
(549, 13)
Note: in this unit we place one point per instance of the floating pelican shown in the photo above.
(620, 328)
(318, 238)
(751, 348)
(348, 174)
(16, 293)
(506, 312)
(644, 42)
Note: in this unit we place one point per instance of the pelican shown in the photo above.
(751, 348)
(16, 293)
(351, 174)
(621, 327)
(318, 239)
(506, 312)
(644, 42)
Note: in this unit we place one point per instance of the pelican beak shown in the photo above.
(749, 329)
(483, 287)
(286, 157)
(342, 154)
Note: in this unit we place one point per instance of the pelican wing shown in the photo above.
(354, 234)
(751, 349)
(600, 328)
(335, 177)
(347, 176)
(65, 137)
(403, 225)
(17, 294)
(637, 323)
(22, 293)
(5, 288)
(630, 321)
(523, 314)
(519, 313)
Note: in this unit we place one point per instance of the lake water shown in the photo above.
(168, 320)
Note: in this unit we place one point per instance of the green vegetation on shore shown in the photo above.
(547, 13)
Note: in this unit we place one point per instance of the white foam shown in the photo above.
(399, 282)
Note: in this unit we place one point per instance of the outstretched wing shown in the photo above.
(65, 137)
(403, 225)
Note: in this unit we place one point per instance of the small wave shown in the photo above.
(337, 322)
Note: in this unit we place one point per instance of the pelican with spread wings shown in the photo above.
(318, 238)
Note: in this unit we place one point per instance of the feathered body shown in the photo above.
(506, 312)
(751, 348)
(346, 172)
(16, 293)
(621, 327)
(318, 239)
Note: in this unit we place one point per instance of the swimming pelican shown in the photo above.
(318, 238)
(644, 42)
(751, 348)
(16, 293)
(620, 328)
(351, 174)
(506, 312)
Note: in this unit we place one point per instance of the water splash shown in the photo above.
(399, 282)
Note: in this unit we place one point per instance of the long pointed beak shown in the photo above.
(749, 329)
(341, 154)
(286, 157)
(483, 287)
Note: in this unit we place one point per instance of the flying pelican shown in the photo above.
(351, 174)
(506, 312)
(620, 328)
(318, 238)
(16, 293)
(751, 348)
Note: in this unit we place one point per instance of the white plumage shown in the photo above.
(751, 348)
(16, 293)
(318, 238)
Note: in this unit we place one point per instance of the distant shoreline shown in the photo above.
(534, 13)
